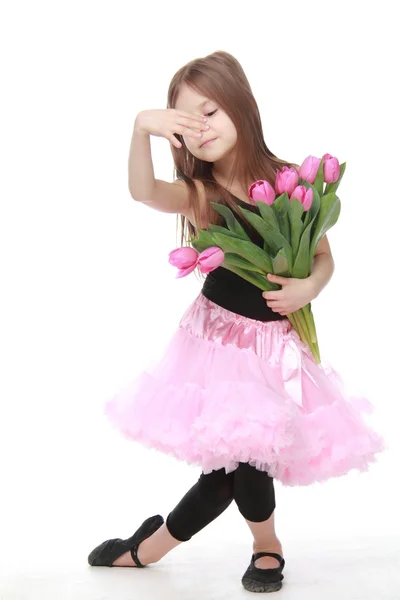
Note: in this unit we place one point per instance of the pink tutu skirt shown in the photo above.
(231, 389)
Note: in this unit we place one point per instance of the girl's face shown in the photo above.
(221, 136)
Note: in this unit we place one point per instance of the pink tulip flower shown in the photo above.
(287, 180)
(304, 195)
(187, 259)
(331, 168)
(262, 191)
(211, 259)
(309, 168)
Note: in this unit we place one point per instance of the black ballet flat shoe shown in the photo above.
(106, 553)
(263, 580)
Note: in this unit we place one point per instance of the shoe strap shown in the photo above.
(135, 558)
(273, 554)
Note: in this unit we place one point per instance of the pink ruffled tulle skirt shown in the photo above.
(231, 389)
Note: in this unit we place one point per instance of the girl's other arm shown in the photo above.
(156, 193)
(323, 266)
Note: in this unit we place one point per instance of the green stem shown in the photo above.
(315, 351)
(302, 320)
(298, 320)
(299, 325)
(306, 310)
(316, 340)
(309, 317)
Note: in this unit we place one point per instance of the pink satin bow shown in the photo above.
(292, 367)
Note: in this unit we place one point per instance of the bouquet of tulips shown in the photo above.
(292, 219)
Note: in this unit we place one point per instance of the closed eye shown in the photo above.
(211, 113)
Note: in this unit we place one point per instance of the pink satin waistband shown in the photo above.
(210, 321)
(277, 342)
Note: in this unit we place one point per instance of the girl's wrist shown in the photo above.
(314, 288)
(139, 126)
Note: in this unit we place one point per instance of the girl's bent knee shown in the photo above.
(174, 532)
(254, 493)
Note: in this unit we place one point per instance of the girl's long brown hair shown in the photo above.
(220, 77)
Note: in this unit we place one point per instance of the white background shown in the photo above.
(88, 296)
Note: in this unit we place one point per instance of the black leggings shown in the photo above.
(252, 490)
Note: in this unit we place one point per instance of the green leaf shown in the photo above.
(268, 214)
(239, 261)
(327, 217)
(285, 227)
(319, 179)
(205, 240)
(315, 207)
(296, 224)
(272, 236)
(220, 229)
(247, 250)
(281, 207)
(332, 187)
(255, 278)
(316, 204)
(301, 264)
(199, 246)
(306, 218)
(206, 236)
(230, 219)
(280, 264)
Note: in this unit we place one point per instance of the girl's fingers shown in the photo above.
(193, 124)
(175, 142)
(182, 130)
(274, 307)
(194, 134)
(191, 116)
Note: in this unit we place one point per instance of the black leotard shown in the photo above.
(235, 293)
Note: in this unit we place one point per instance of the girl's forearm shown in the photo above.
(141, 179)
(321, 272)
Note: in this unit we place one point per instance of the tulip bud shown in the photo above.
(309, 168)
(331, 168)
(211, 259)
(262, 191)
(287, 180)
(303, 195)
(185, 259)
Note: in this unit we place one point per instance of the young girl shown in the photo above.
(221, 396)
